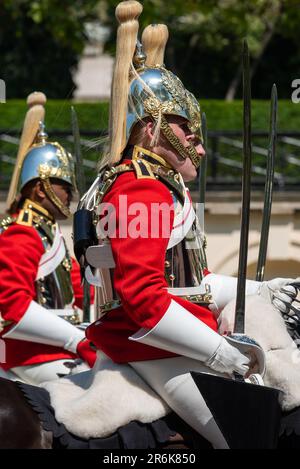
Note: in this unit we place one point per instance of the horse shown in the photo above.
(21, 426)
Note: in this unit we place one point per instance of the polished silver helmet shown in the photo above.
(156, 92)
(46, 160)
(158, 89)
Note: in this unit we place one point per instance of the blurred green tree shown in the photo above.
(206, 37)
(40, 44)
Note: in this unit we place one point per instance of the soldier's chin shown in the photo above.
(189, 175)
(64, 216)
(59, 215)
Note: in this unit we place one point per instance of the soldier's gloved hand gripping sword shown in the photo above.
(239, 327)
(248, 415)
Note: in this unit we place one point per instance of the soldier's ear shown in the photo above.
(149, 127)
(39, 190)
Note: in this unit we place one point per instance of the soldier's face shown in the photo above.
(163, 148)
(186, 137)
(64, 192)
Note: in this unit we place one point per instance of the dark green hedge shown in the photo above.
(94, 116)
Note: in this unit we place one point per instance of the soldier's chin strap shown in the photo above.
(54, 198)
(184, 152)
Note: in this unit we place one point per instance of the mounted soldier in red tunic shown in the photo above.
(159, 307)
(39, 311)
(160, 310)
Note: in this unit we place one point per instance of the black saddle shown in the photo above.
(169, 432)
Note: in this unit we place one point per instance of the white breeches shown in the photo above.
(37, 374)
(171, 379)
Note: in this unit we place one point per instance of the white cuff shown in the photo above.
(224, 289)
(182, 333)
(42, 326)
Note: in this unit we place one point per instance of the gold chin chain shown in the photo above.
(184, 152)
(53, 197)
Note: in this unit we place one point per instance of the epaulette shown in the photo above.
(150, 165)
(25, 217)
(144, 170)
(6, 222)
(32, 214)
(28, 217)
(141, 168)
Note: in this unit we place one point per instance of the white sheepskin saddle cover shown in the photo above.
(95, 403)
(265, 324)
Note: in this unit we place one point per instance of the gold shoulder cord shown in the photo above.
(109, 177)
(6, 222)
(46, 228)
(116, 171)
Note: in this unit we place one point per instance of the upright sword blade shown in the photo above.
(202, 190)
(80, 181)
(240, 393)
(79, 173)
(203, 164)
(268, 189)
(239, 326)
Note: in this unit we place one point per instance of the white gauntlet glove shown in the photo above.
(280, 292)
(228, 359)
(42, 326)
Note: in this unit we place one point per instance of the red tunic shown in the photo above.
(21, 249)
(139, 277)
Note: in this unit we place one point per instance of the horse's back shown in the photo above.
(20, 426)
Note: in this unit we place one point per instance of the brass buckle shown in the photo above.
(201, 298)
